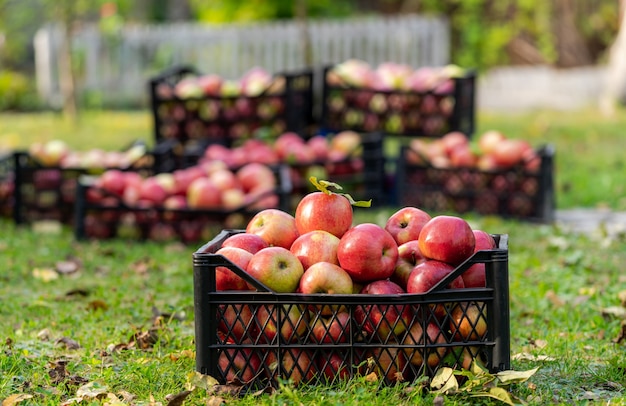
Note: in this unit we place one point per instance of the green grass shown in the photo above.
(561, 288)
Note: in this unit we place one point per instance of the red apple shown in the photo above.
(203, 194)
(389, 363)
(289, 325)
(385, 322)
(324, 277)
(405, 224)
(112, 180)
(277, 268)
(236, 322)
(367, 252)
(152, 191)
(468, 321)
(241, 364)
(276, 227)
(509, 152)
(224, 179)
(416, 336)
(319, 146)
(225, 279)
(297, 365)
(447, 238)
(474, 276)
(346, 142)
(334, 328)
(408, 257)
(333, 366)
(249, 242)
(316, 246)
(452, 140)
(428, 274)
(321, 211)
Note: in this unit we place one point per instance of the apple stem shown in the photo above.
(323, 185)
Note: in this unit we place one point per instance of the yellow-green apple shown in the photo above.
(334, 328)
(474, 276)
(275, 226)
(322, 211)
(367, 252)
(233, 199)
(225, 279)
(316, 246)
(236, 322)
(408, 257)
(241, 364)
(448, 239)
(166, 180)
(325, 277)
(277, 268)
(347, 142)
(488, 140)
(386, 322)
(249, 242)
(173, 204)
(51, 153)
(405, 224)
(417, 337)
(290, 325)
(468, 321)
(203, 194)
(210, 84)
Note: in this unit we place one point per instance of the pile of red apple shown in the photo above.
(56, 153)
(210, 106)
(180, 197)
(319, 250)
(493, 174)
(492, 151)
(391, 97)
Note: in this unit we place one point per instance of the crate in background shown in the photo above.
(402, 113)
(509, 193)
(224, 118)
(7, 184)
(231, 339)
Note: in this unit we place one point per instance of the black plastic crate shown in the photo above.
(508, 193)
(232, 340)
(405, 113)
(100, 215)
(7, 184)
(224, 119)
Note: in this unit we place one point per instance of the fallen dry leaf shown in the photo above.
(97, 304)
(215, 401)
(92, 390)
(45, 274)
(622, 333)
(68, 267)
(68, 343)
(177, 399)
(15, 399)
(58, 372)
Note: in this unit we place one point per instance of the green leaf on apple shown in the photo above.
(323, 185)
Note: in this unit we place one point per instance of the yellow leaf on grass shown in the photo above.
(508, 377)
(45, 274)
(444, 381)
(15, 399)
(497, 393)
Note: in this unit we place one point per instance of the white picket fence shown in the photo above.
(117, 68)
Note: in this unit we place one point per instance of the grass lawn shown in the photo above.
(112, 321)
